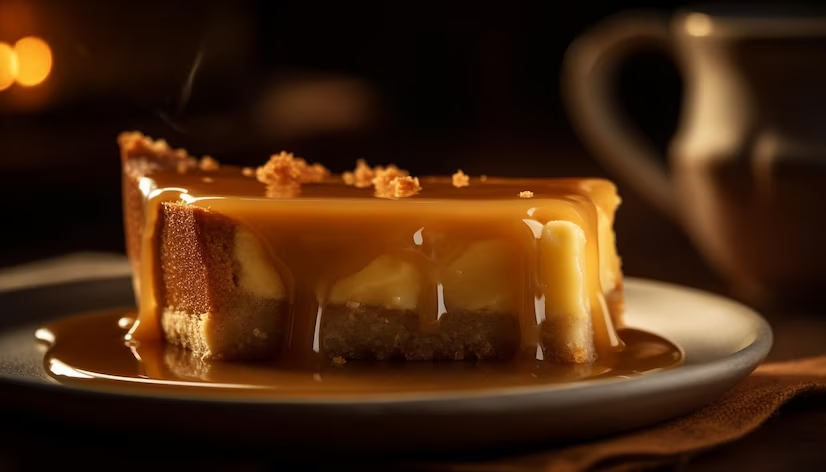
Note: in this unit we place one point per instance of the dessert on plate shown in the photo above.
(289, 260)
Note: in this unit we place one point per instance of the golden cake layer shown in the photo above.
(287, 260)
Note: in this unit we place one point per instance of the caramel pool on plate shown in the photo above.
(89, 351)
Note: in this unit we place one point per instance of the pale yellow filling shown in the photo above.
(562, 263)
(257, 275)
(387, 281)
(481, 279)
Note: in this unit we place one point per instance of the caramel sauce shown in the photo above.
(89, 351)
(331, 230)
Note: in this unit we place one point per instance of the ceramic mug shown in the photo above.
(746, 170)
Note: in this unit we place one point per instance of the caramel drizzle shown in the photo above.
(578, 209)
(147, 325)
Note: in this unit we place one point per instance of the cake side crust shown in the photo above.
(206, 309)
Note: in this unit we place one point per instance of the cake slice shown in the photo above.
(289, 261)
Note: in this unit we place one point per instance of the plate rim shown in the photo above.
(743, 361)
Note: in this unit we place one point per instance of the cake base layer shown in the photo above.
(375, 333)
(254, 332)
(567, 339)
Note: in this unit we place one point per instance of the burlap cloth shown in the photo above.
(737, 413)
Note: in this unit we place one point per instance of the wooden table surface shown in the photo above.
(651, 247)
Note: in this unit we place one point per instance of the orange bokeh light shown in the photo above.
(34, 61)
(8, 66)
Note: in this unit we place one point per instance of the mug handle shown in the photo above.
(587, 73)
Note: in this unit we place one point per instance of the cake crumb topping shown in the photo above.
(208, 180)
(142, 150)
(209, 164)
(186, 163)
(395, 183)
(313, 173)
(338, 360)
(399, 187)
(460, 179)
(361, 177)
(286, 170)
(136, 144)
(183, 166)
(279, 170)
(388, 182)
(248, 171)
(526, 194)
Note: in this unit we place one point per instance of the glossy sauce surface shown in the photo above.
(330, 230)
(89, 351)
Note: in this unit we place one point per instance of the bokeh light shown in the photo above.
(34, 61)
(698, 24)
(8, 66)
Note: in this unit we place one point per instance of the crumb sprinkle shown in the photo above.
(279, 170)
(209, 164)
(526, 194)
(182, 167)
(137, 146)
(186, 164)
(387, 181)
(361, 177)
(208, 180)
(314, 173)
(248, 171)
(403, 187)
(460, 179)
(339, 361)
(284, 173)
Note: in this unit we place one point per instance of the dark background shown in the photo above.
(430, 85)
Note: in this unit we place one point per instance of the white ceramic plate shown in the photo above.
(723, 342)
